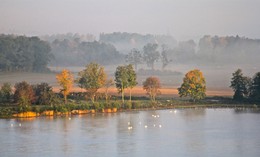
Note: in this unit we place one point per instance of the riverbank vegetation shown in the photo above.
(39, 100)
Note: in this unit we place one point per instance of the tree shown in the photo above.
(108, 84)
(255, 88)
(92, 78)
(239, 83)
(44, 94)
(164, 56)
(20, 53)
(65, 79)
(193, 86)
(6, 92)
(24, 94)
(131, 79)
(134, 57)
(151, 54)
(121, 79)
(152, 86)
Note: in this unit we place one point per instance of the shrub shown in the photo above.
(6, 93)
(60, 108)
(128, 105)
(98, 106)
(116, 104)
(83, 107)
(6, 112)
(44, 95)
(107, 105)
(24, 94)
(24, 108)
(136, 105)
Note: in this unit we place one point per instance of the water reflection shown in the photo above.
(247, 110)
(187, 132)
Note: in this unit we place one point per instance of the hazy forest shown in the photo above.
(161, 55)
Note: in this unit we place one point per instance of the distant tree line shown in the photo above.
(150, 55)
(245, 88)
(69, 36)
(228, 50)
(20, 53)
(124, 41)
(78, 53)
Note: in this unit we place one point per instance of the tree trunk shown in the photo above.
(122, 95)
(93, 98)
(65, 98)
(106, 94)
(130, 95)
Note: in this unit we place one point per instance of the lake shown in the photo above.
(180, 132)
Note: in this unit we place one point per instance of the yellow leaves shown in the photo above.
(65, 79)
(194, 85)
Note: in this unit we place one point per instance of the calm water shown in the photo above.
(188, 132)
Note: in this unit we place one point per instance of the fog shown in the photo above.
(216, 36)
(184, 19)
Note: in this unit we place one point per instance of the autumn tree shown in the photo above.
(151, 54)
(152, 86)
(91, 79)
(65, 79)
(121, 80)
(131, 79)
(193, 86)
(24, 94)
(239, 84)
(134, 57)
(108, 84)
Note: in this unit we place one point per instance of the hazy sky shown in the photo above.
(181, 18)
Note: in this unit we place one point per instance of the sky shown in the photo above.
(183, 19)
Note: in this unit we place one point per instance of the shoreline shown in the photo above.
(52, 113)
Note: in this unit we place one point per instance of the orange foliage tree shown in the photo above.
(194, 85)
(65, 79)
(152, 86)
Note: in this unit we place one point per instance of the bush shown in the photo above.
(84, 107)
(107, 105)
(46, 108)
(60, 108)
(24, 108)
(36, 109)
(98, 106)
(6, 93)
(24, 94)
(136, 105)
(128, 105)
(116, 104)
(6, 112)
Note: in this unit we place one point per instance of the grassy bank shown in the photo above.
(141, 103)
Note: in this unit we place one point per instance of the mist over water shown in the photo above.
(188, 132)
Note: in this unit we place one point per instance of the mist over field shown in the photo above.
(214, 36)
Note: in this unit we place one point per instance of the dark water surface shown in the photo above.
(188, 132)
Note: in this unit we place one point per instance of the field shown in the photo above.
(169, 86)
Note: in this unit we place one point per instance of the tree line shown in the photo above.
(91, 79)
(150, 55)
(20, 53)
(245, 88)
(75, 52)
